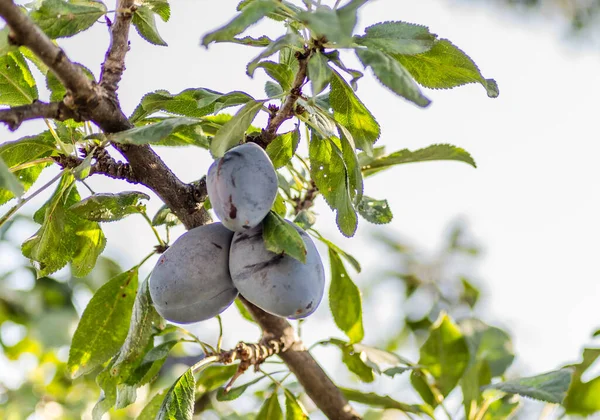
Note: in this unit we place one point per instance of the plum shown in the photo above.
(242, 186)
(276, 283)
(191, 280)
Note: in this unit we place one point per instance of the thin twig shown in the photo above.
(14, 117)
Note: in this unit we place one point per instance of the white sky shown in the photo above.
(532, 202)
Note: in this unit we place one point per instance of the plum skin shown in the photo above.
(191, 280)
(242, 186)
(276, 283)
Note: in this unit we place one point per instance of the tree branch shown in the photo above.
(14, 117)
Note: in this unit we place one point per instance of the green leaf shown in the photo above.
(263, 41)
(144, 319)
(381, 361)
(184, 135)
(279, 206)
(179, 401)
(107, 207)
(392, 75)
(59, 18)
(345, 300)
(375, 211)
(63, 236)
(350, 112)
(165, 216)
(582, 398)
(244, 311)
(293, 408)
(549, 387)
(103, 325)
(108, 396)
(151, 364)
(236, 392)
(281, 73)
(489, 344)
(249, 15)
(445, 66)
(213, 377)
(319, 72)
(9, 182)
(328, 170)
(433, 152)
(472, 382)
(57, 89)
(282, 148)
(335, 25)
(232, 132)
(445, 355)
(153, 407)
(353, 261)
(281, 237)
(160, 7)
(17, 85)
(189, 102)
(272, 89)
(145, 24)
(271, 409)
(470, 293)
(384, 401)
(151, 133)
(503, 408)
(397, 38)
(287, 40)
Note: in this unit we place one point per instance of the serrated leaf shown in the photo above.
(293, 408)
(108, 207)
(17, 85)
(189, 102)
(232, 132)
(345, 300)
(104, 324)
(237, 391)
(287, 40)
(57, 89)
(271, 409)
(63, 236)
(392, 75)
(8, 181)
(445, 66)
(445, 355)
(319, 72)
(250, 41)
(384, 401)
(249, 15)
(179, 401)
(139, 336)
(282, 148)
(281, 73)
(165, 216)
(397, 38)
(152, 407)
(582, 398)
(145, 24)
(375, 211)
(151, 133)
(430, 153)
(281, 237)
(549, 387)
(329, 173)
(59, 19)
(350, 112)
(183, 135)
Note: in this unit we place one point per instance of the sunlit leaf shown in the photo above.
(179, 401)
(345, 300)
(583, 397)
(384, 401)
(282, 148)
(281, 237)
(17, 85)
(145, 24)
(271, 409)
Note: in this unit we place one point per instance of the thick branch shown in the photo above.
(13, 117)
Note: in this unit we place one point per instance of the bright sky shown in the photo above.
(531, 202)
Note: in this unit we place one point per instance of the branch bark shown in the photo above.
(14, 117)
(99, 102)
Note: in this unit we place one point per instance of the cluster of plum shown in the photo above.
(200, 275)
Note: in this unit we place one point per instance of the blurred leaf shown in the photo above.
(57, 89)
(489, 344)
(472, 382)
(108, 396)
(445, 66)
(433, 152)
(583, 398)
(152, 408)
(397, 38)
(549, 387)
(375, 211)
(271, 409)
(249, 15)
(335, 25)
(151, 133)
(179, 401)
(502, 409)
(237, 391)
(282, 148)
(58, 18)
(329, 173)
(353, 261)
(108, 207)
(319, 72)
(393, 75)
(164, 216)
(243, 311)
(350, 112)
(382, 361)
(272, 89)
(8, 181)
(213, 377)
(103, 325)
(384, 401)
(345, 300)
(445, 355)
(470, 294)
(145, 24)
(293, 408)
(281, 237)
(232, 132)
(17, 85)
